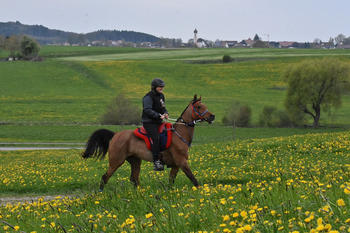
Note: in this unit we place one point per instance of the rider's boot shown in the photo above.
(157, 164)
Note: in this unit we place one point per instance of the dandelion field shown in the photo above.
(283, 184)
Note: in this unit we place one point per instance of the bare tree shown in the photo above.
(339, 39)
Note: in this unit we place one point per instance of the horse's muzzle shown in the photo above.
(211, 119)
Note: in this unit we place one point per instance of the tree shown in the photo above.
(339, 39)
(260, 44)
(346, 41)
(121, 111)
(12, 44)
(2, 42)
(256, 37)
(331, 42)
(29, 48)
(313, 84)
(237, 115)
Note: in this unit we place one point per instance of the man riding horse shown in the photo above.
(153, 113)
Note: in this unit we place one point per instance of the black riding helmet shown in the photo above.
(157, 82)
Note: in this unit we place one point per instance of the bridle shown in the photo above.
(196, 115)
(196, 112)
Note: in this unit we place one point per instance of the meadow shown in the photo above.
(76, 90)
(251, 179)
(287, 184)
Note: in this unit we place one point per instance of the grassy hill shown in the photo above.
(76, 88)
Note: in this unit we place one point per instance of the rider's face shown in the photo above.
(159, 89)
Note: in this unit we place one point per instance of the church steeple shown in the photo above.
(195, 37)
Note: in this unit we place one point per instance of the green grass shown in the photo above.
(282, 184)
(69, 51)
(62, 92)
(204, 133)
(212, 54)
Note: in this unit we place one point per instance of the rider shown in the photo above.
(154, 112)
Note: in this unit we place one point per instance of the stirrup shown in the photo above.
(158, 166)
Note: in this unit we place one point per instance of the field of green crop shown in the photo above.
(286, 184)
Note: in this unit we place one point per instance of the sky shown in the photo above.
(274, 20)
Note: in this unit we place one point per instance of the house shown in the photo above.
(286, 44)
(201, 43)
(228, 43)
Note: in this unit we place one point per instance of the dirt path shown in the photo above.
(38, 148)
(14, 200)
(14, 146)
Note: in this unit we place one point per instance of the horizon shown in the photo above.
(252, 37)
(272, 20)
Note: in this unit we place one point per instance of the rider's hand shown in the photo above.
(166, 115)
(162, 117)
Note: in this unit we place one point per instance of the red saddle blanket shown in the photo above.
(165, 136)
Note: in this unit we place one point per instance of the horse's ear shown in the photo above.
(200, 98)
(195, 98)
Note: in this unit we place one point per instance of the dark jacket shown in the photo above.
(153, 106)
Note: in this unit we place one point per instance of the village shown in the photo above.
(198, 42)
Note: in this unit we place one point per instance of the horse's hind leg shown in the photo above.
(112, 168)
(135, 164)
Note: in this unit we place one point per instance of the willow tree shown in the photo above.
(315, 84)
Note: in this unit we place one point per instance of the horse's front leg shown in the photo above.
(186, 169)
(172, 175)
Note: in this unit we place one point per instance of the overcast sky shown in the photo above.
(298, 20)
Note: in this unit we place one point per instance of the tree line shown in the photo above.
(45, 35)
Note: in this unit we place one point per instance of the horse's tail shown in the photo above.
(98, 143)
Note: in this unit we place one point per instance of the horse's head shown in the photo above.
(200, 110)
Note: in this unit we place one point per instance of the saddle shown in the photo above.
(165, 136)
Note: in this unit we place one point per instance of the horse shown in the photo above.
(125, 146)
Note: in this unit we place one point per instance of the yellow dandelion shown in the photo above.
(244, 214)
(16, 228)
(340, 202)
(247, 228)
(149, 215)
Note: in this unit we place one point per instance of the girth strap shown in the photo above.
(182, 139)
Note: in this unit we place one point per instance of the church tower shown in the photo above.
(195, 38)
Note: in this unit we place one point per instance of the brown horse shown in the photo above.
(125, 145)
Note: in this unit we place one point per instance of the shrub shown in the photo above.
(237, 115)
(272, 117)
(121, 112)
(226, 59)
(29, 48)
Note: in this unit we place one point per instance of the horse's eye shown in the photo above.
(199, 107)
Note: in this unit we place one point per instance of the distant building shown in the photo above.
(287, 44)
(228, 43)
(195, 37)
